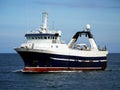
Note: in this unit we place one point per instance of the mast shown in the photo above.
(44, 21)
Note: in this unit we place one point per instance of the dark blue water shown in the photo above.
(10, 79)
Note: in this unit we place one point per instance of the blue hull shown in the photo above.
(35, 59)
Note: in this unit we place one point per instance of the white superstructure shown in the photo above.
(49, 40)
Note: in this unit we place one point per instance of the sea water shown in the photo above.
(11, 77)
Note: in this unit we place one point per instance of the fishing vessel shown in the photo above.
(44, 51)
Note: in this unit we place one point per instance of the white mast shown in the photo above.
(44, 21)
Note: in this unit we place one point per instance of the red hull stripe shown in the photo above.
(54, 69)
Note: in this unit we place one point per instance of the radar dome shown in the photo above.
(88, 27)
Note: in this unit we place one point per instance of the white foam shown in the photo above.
(20, 70)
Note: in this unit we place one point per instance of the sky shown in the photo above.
(20, 16)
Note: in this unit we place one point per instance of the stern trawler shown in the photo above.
(44, 51)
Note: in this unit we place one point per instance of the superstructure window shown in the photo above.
(55, 37)
(28, 38)
(35, 37)
(45, 37)
(48, 37)
(32, 37)
(41, 37)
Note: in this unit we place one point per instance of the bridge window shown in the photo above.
(45, 37)
(55, 37)
(48, 37)
(41, 37)
(36, 38)
(33, 38)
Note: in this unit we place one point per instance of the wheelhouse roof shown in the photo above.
(41, 35)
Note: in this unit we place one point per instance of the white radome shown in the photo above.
(88, 27)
